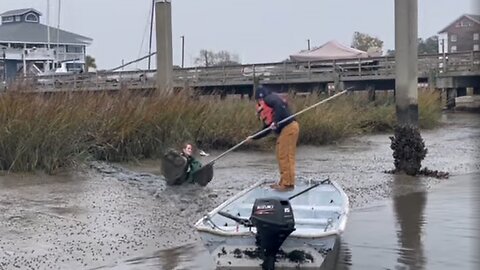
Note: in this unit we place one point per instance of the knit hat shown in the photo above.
(262, 92)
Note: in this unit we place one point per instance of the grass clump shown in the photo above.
(53, 131)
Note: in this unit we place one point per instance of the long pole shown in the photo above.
(48, 36)
(151, 34)
(131, 62)
(283, 121)
(58, 23)
(183, 51)
(308, 42)
(48, 24)
(4, 65)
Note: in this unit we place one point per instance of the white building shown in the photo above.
(24, 41)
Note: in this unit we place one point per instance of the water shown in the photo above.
(122, 216)
(435, 229)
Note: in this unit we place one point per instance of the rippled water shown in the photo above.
(437, 229)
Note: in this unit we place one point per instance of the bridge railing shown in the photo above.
(277, 72)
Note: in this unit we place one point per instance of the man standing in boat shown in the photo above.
(272, 109)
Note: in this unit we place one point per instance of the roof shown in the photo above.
(19, 12)
(474, 18)
(37, 33)
(329, 51)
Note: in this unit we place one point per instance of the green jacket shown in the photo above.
(192, 166)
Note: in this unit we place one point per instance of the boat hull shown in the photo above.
(240, 252)
(320, 210)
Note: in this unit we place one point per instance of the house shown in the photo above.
(462, 35)
(29, 47)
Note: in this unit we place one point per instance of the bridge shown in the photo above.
(446, 71)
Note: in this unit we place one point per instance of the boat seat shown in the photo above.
(303, 221)
(304, 214)
(312, 221)
(333, 208)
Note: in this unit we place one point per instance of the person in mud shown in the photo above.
(192, 164)
(272, 109)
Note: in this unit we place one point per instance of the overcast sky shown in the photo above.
(255, 30)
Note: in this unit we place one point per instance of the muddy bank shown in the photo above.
(94, 217)
(107, 214)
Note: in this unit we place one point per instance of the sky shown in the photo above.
(255, 30)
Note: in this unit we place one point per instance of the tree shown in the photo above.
(90, 62)
(364, 42)
(225, 58)
(428, 46)
(222, 58)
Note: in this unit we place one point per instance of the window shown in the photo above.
(8, 19)
(463, 24)
(476, 47)
(453, 38)
(76, 67)
(18, 18)
(475, 36)
(31, 17)
(74, 49)
(453, 49)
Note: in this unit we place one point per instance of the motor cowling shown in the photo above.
(273, 218)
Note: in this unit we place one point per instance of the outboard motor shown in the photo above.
(273, 219)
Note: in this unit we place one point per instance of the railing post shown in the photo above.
(224, 74)
(359, 67)
(255, 80)
(309, 70)
(444, 59)
(472, 58)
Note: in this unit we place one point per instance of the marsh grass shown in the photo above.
(50, 132)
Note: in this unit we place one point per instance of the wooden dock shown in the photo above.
(378, 73)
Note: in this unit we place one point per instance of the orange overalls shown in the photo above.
(286, 145)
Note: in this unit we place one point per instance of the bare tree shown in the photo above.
(222, 58)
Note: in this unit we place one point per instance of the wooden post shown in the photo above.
(256, 81)
(472, 59)
(359, 67)
(406, 59)
(309, 70)
(163, 16)
(224, 75)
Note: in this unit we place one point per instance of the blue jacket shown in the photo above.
(280, 111)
